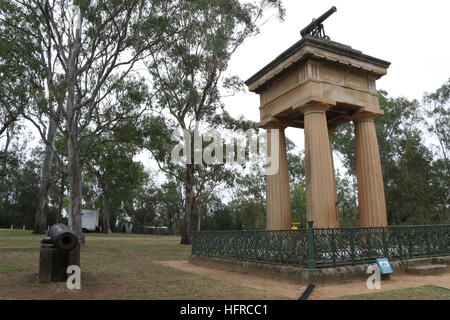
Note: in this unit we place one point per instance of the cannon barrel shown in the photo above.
(316, 22)
(62, 237)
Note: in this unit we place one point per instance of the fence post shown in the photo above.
(410, 247)
(352, 245)
(311, 254)
(193, 243)
(369, 243)
(333, 246)
(427, 240)
(385, 232)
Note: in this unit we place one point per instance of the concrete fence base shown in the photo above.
(317, 275)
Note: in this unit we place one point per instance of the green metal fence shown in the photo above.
(318, 248)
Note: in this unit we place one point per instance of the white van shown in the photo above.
(89, 220)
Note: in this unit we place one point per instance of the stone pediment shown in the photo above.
(323, 69)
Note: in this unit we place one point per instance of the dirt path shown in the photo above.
(26, 287)
(285, 289)
(398, 281)
(292, 290)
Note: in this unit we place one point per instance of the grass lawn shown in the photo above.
(116, 266)
(121, 266)
(428, 292)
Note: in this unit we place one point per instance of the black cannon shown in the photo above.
(61, 237)
(60, 249)
(316, 28)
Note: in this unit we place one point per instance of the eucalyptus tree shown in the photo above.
(412, 180)
(189, 72)
(19, 182)
(249, 198)
(438, 125)
(249, 192)
(147, 203)
(93, 47)
(171, 204)
(119, 178)
(438, 113)
(157, 137)
(30, 70)
(14, 80)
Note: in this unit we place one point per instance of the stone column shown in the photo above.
(320, 183)
(331, 131)
(372, 204)
(278, 194)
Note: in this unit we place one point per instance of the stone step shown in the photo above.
(428, 269)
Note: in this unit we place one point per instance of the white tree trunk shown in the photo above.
(41, 217)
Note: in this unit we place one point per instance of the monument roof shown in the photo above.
(326, 45)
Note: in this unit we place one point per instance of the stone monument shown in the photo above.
(317, 85)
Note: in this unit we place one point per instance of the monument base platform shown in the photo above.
(306, 275)
(429, 269)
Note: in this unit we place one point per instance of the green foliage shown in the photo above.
(296, 167)
(187, 76)
(249, 198)
(19, 185)
(416, 180)
(186, 47)
(347, 201)
(113, 174)
(170, 201)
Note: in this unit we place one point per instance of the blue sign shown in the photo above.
(384, 265)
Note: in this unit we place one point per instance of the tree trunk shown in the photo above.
(171, 226)
(170, 221)
(186, 229)
(145, 221)
(75, 183)
(199, 216)
(61, 199)
(73, 115)
(106, 226)
(8, 140)
(40, 222)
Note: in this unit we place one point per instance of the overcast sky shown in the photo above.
(412, 35)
